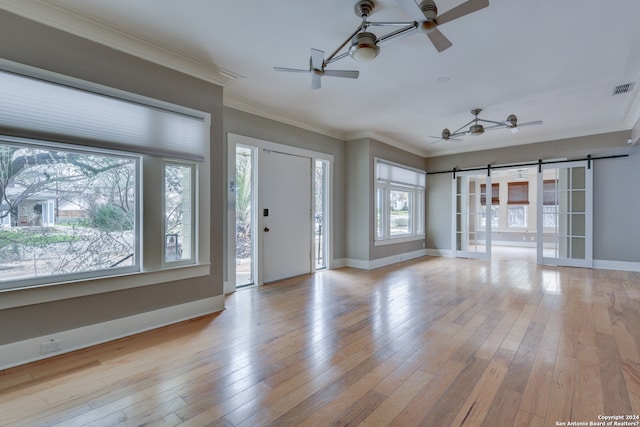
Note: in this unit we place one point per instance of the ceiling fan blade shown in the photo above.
(441, 139)
(439, 40)
(317, 59)
(315, 82)
(465, 8)
(412, 9)
(342, 73)
(290, 70)
(537, 122)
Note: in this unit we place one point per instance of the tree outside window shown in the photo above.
(65, 212)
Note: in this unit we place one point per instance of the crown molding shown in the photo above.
(351, 136)
(47, 13)
(270, 113)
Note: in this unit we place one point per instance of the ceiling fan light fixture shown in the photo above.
(427, 26)
(476, 129)
(363, 47)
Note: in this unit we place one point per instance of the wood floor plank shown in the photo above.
(475, 408)
(448, 406)
(515, 335)
(389, 409)
(524, 419)
(561, 395)
(417, 409)
(538, 388)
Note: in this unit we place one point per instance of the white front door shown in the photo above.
(285, 215)
(472, 215)
(565, 230)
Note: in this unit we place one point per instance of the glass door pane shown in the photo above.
(244, 216)
(320, 213)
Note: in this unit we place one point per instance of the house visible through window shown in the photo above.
(66, 212)
(399, 204)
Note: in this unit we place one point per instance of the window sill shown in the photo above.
(395, 240)
(39, 294)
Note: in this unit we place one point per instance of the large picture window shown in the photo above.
(66, 212)
(399, 204)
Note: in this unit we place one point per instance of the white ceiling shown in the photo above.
(549, 60)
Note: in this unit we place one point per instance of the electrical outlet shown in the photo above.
(51, 346)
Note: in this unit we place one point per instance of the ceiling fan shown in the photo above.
(476, 128)
(364, 45)
(428, 20)
(317, 66)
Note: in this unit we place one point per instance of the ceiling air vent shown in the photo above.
(625, 88)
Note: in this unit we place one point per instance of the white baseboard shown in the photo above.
(26, 351)
(338, 263)
(382, 262)
(440, 252)
(616, 265)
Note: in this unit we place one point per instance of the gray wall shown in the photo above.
(358, 199)
(615, 192)
(30, 43)
(360, 174)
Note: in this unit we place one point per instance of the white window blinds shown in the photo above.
(395, 174)
(35, 108)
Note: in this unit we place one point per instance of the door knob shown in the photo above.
(266, 229)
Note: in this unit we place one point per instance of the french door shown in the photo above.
(565, 214)
(472, 222)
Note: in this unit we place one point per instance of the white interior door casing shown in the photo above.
(285, 210)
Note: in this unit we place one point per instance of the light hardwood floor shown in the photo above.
(432, 342)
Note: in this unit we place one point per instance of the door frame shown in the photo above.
(232, 141)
